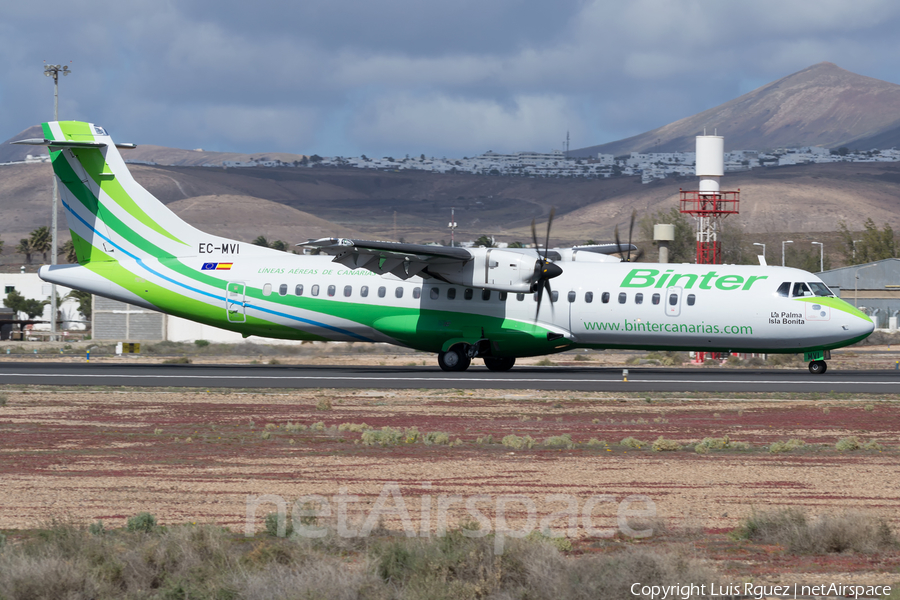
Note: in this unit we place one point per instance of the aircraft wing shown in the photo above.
(402, 260)
(612, 248)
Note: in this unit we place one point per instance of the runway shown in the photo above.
(431, 377)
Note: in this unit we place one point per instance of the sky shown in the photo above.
(397, 77)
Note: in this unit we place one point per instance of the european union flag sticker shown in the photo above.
(208, 267)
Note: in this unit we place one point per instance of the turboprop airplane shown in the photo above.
(459, 303)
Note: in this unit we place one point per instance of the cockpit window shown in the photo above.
(820, 289)
(801, 289)
(784, 290)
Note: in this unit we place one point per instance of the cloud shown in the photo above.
(345, 77)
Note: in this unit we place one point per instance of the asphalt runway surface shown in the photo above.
(379, 377)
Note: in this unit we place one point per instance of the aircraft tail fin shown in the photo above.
(110, 215)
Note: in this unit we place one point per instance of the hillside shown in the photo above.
(254, 201)
(822, 105)
(151, 154)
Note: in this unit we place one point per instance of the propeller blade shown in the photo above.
(534, 237)
(630, 232)
(619, 249)
(540, 295)
(638, 255)
(549, 223)
(550, 294)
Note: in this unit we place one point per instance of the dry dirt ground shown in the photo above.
(196, 455)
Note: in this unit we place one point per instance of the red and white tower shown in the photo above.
(709, 204)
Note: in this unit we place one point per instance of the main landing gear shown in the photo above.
(459, 357)
(817, 367)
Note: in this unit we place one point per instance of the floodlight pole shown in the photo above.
(54, 71)
(763, 247)
(782, 249)
(821, 255)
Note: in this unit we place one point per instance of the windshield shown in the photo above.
(820, 289)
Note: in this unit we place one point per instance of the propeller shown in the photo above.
(544, 269)
(621, 249)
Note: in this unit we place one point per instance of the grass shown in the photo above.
(208, 562)
(800, 534)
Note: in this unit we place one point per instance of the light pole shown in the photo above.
(821, 255)
(782, 249)
(54, 71)
(452, 225)
(763, 247)
(856, 284)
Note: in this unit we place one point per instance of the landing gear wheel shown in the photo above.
(817, 367)
(454, 359)
(499, 364)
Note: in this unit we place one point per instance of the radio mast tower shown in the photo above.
(709, 204)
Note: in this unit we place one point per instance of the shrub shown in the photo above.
(3, 400)
(788, 446)
(825, 534)
(320, 426)
(157, 431)
(354, 427)
(722, 443)
(873, 445)
(663, 445)
(201, 343)
(848, 443)
(595, 443)
(272, 525)
(581, 357)
(266, 435)
(869, 407)
(295, 427)
(436, 438)
(484, 440)
(411, 435)
(386, 436)
(143, 521)
(180, 360)
(96, 528)
(517, 443)
(323, 404)
(545, 362)
(271, 426)
(274, 361)
(559, 441)
(631, 442)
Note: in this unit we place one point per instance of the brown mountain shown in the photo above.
(823, 105)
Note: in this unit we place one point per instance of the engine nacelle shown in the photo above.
(493, 269)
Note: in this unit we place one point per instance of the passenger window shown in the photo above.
(554, 296)
(451, 293)
(655, 299)
(673, 299)
(502, 296)
(589, 297)
(520, 297)
(691, 299)
(399, 291)
(639, 298)
(622, 297)
(298, 289)
(434, 294)
(348, 289)
(784, 289)
(331, 289)
(485, 294)
(282, 289)
(800, 289)
(364, 291)
(417, 293)
(604, 297)
(468, 294)
(315, 290)
(267, 289)
(382, 291)
(572, 296)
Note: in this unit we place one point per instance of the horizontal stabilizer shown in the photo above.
(68, 143)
